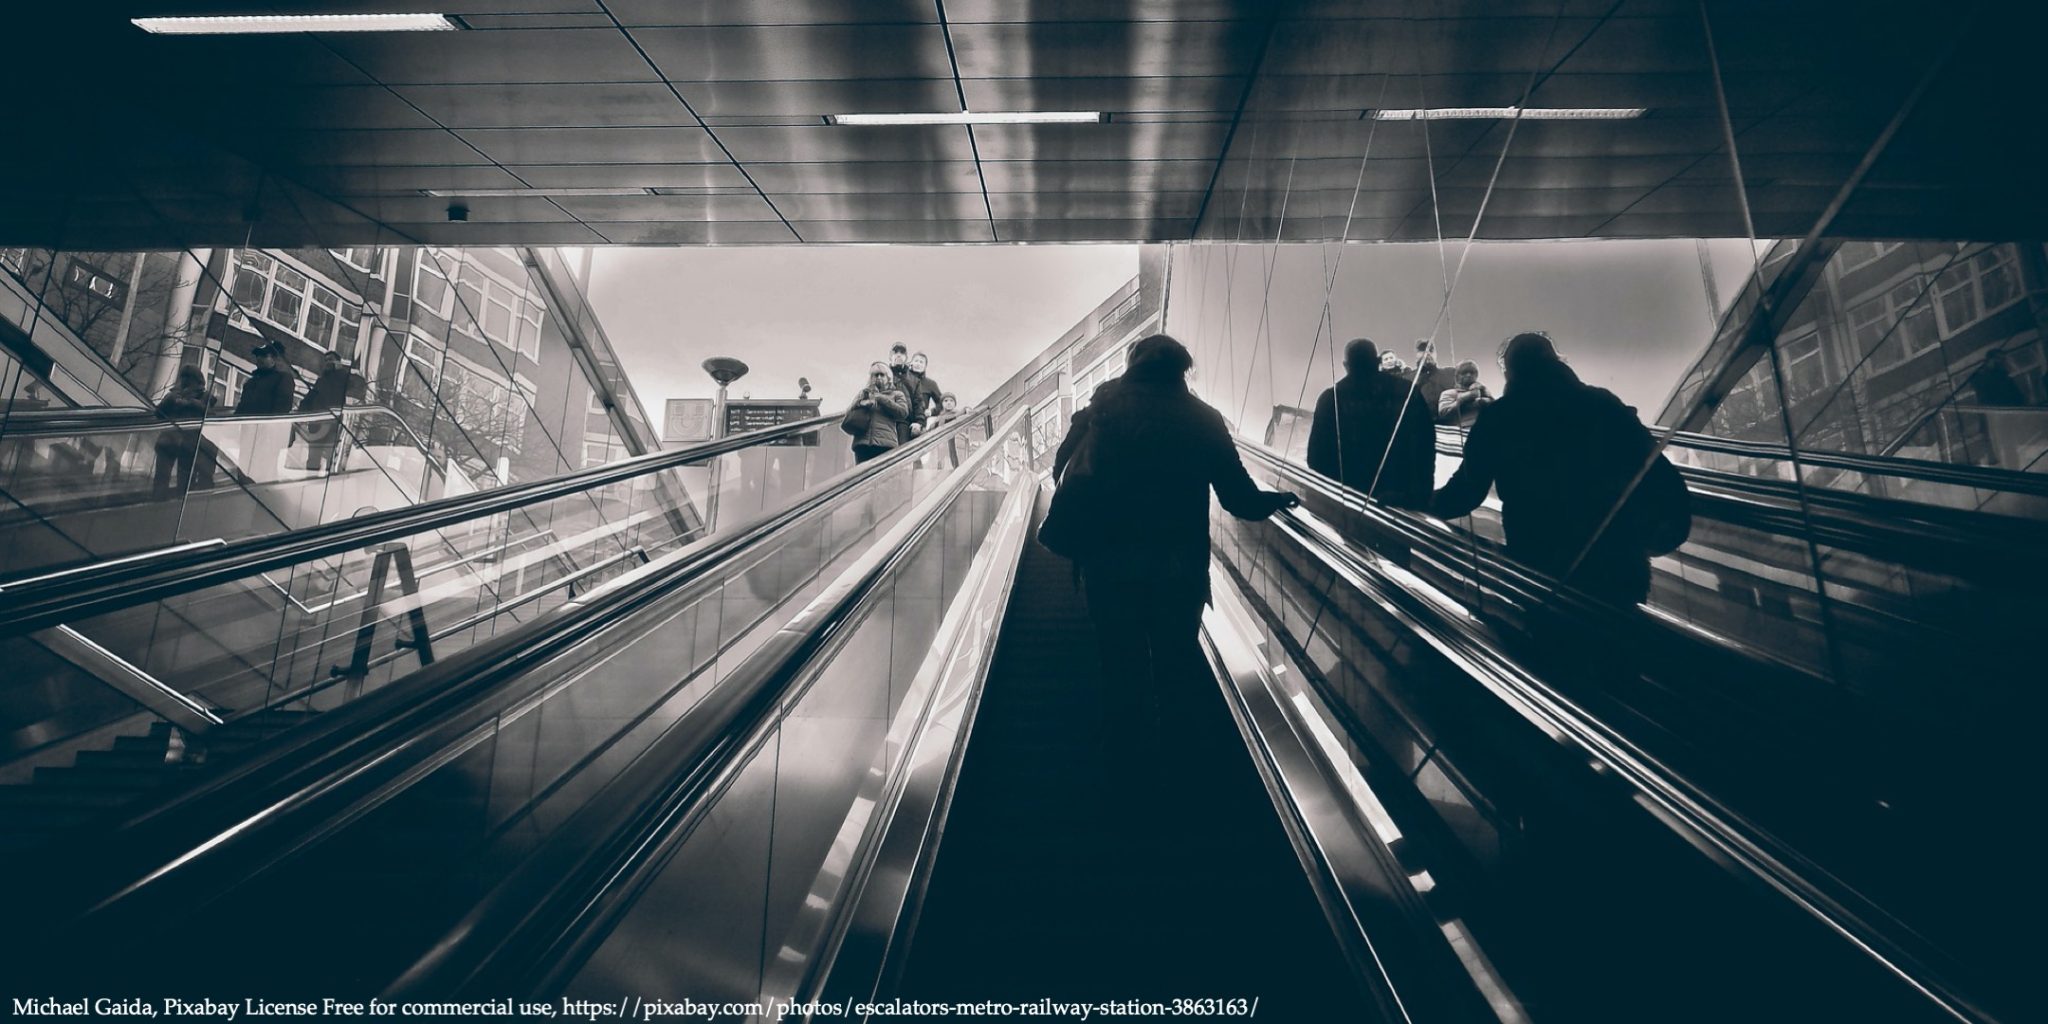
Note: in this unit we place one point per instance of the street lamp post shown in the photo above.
(724, 370)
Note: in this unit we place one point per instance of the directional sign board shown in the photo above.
(746, 414)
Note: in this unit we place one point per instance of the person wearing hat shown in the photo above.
(268, 391)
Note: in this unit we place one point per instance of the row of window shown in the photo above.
(1909, 317)
(479, 303)
(264, 287)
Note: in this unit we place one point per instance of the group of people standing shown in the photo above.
(184, 456)
(900, 402)
(1585, 495)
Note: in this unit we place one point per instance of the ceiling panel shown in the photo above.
(1053, 49)
(881, 206)
(833, 143)
(697, 13)
(541, 55)
(695, 175)
(552, 94)
(1100, 141)
(867, 176)
(810, 101)
(726, 232)
(782, 53)
(527, 105)
(883, 231)
(1096, 175)
(593, 209)
(594, 145)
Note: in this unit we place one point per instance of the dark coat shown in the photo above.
(1155, 452)
(1356, 422)
(185, 404)
(329, 391)
(268, 392)
(889, 424)
(1561, 453)
(926, 397)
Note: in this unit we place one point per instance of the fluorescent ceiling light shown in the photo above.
(513, 193)
(972, 117)
(1525, 113)
(262, 24)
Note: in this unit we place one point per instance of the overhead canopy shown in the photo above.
(1227, 119)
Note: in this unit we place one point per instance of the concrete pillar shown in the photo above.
(179, 320)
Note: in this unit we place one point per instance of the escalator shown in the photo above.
(133, 675)
(871, 791)
(1061, 876)
(78, 486)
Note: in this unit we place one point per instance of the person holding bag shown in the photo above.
(1132, 512)
(880, 417)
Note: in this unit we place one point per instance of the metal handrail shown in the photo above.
(1980, 477)
(1736, 842)
(364, 749)
(94, 589)
(537, 924)
(1939, 538)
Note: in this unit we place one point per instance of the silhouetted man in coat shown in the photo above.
(1562, 454)
(1153, 452)
(1374, 433)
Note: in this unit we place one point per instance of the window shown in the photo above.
(95, 282)
(526, 332)
(361, 259)
(1805, 373)
(430, 288)
(498, 320)
(1857, 255)
(287, 299)
(252, 281)
(14, 259)
(350, 336)
(1972, 289)
(1891, 329)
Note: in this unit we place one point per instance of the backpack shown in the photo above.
(1069, 528)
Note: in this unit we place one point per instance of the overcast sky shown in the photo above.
(1631, 314)
(825, 312)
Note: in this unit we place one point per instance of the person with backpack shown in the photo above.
(1585, 496)
(1132, 512)
(880, 417)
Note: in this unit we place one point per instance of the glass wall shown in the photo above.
(409, 373)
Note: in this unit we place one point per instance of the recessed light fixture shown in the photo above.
(1497, 113)
(973, 117)
(270, 24)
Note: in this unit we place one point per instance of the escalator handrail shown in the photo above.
(1519, 583)
(298, 783)
(535, 927)
(1987, 478)
(1742, 845)
(90, 590)
(1938, 538)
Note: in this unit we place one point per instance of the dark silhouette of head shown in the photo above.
(1361, 357)
(1159, 357)
(1468, 373)
(189, 377)
(1530, 357)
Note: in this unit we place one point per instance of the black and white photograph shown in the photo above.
(1378, 511)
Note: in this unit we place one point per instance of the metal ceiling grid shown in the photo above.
(1246, 114)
